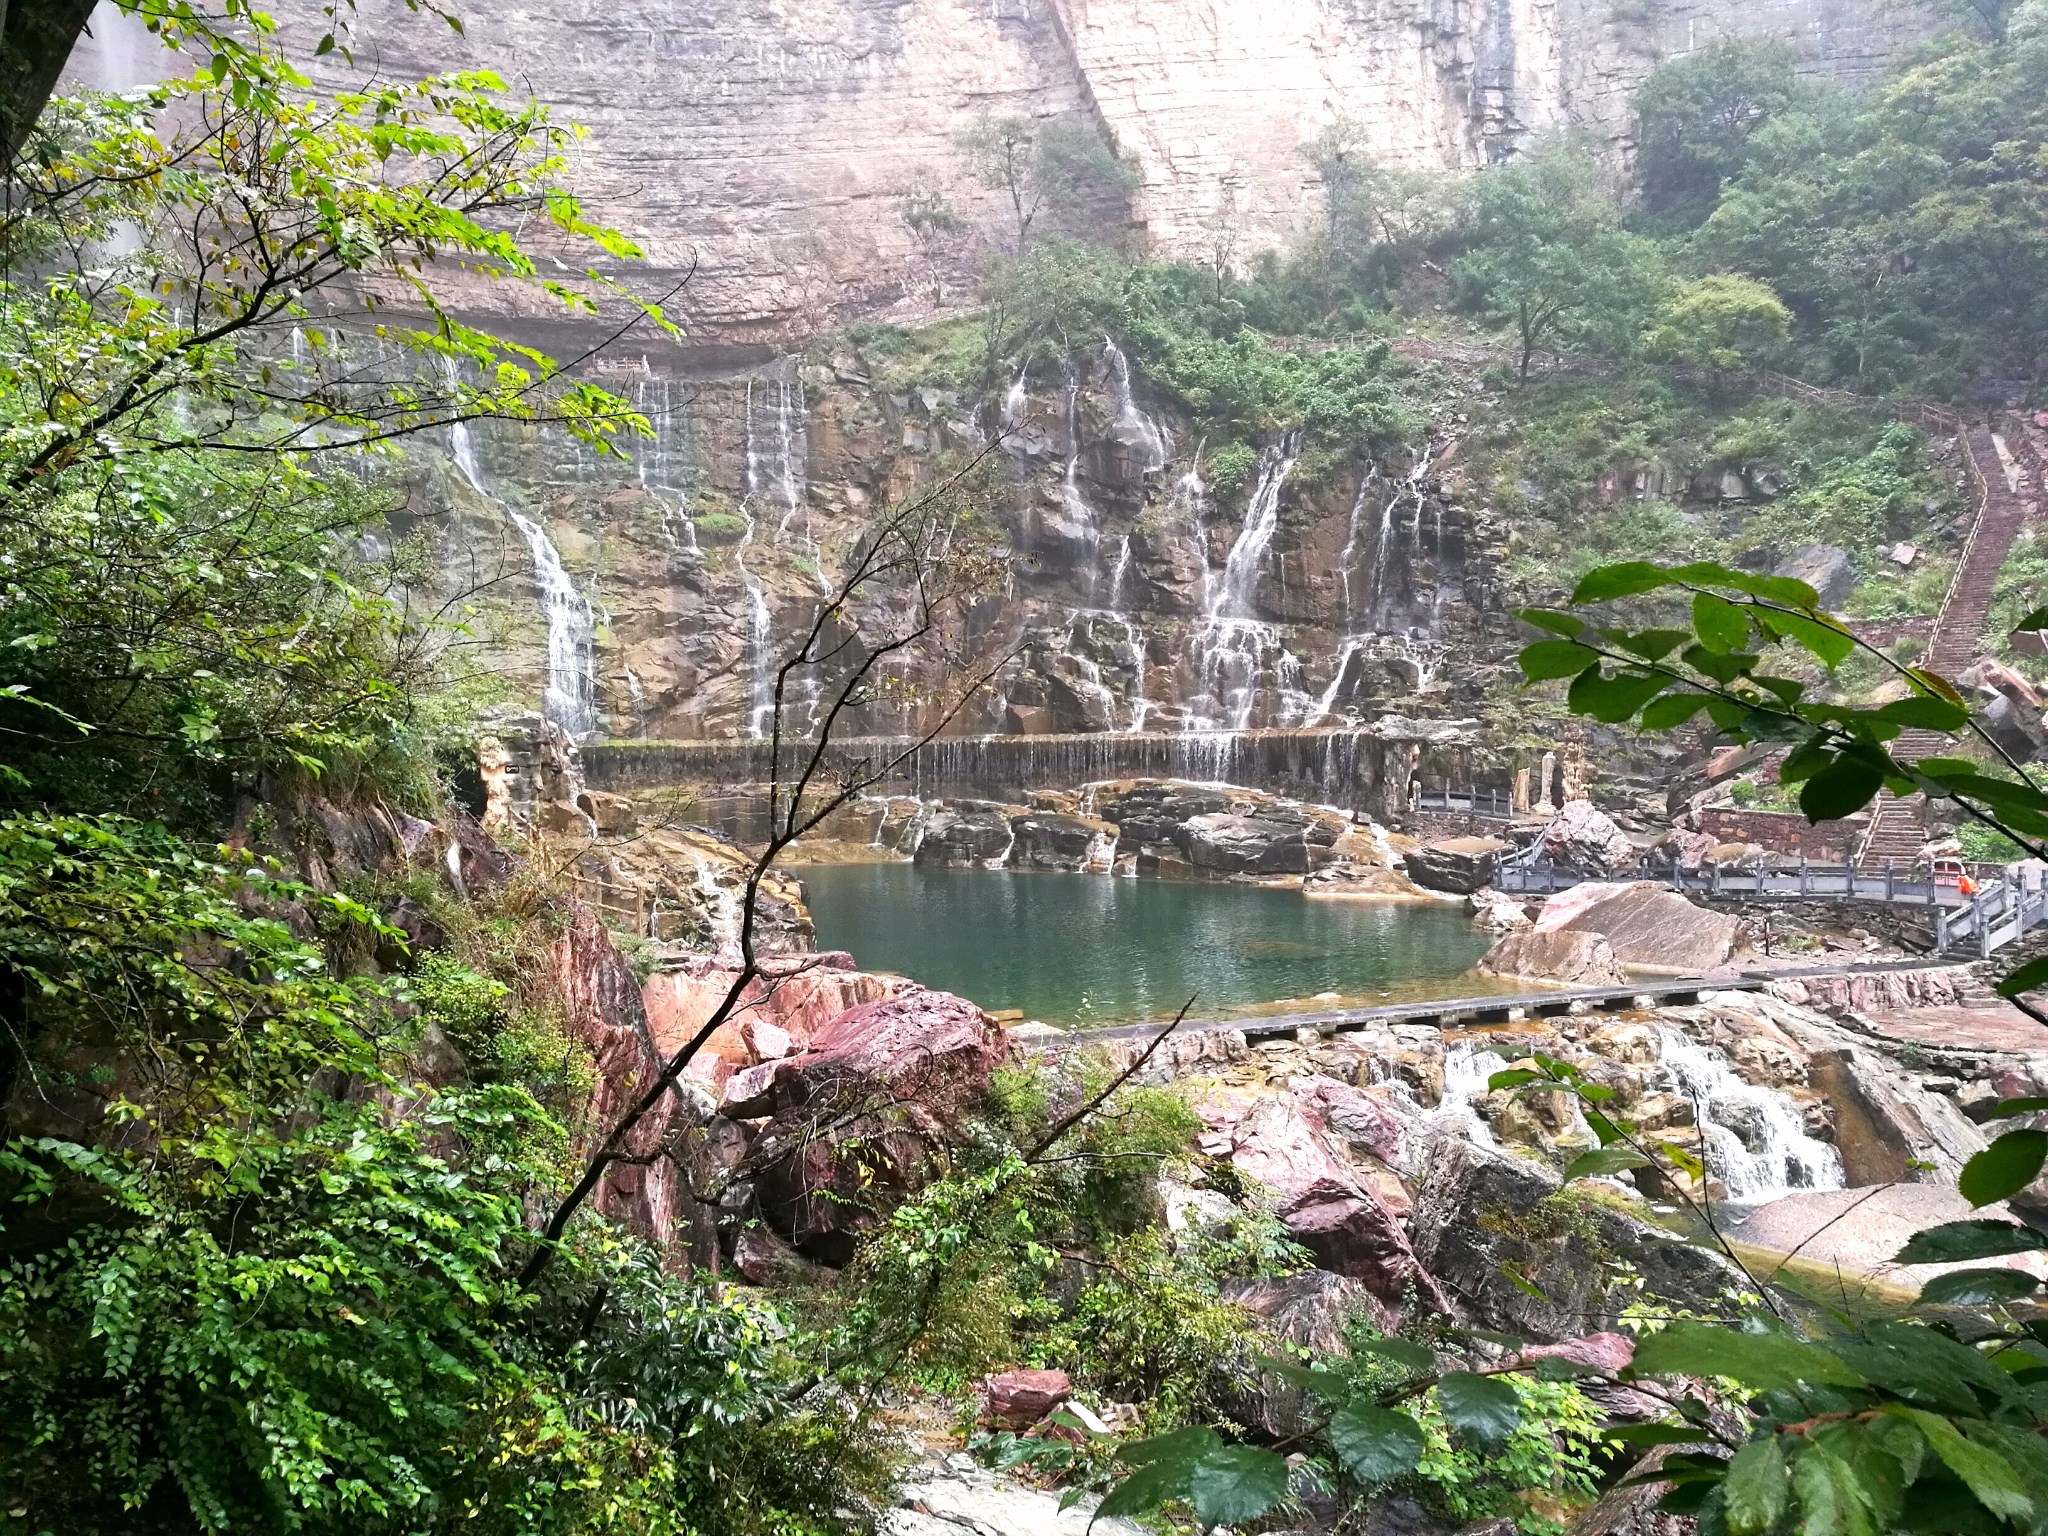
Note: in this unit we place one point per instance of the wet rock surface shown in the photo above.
(1459, 865)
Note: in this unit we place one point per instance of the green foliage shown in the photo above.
(1697, 115)
(1909, 1424)
(1062, 298)
(1902, 227)
(719, 527)
(1545, 1439)
(1549, 258)
(1858, 503)
(1061, 167)
(1719, 321)
(1151, 1329)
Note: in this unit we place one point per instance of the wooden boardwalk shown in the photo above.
(1500, 1008)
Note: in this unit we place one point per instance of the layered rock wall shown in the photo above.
(763, 151)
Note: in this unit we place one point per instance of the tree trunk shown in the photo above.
(35, 40)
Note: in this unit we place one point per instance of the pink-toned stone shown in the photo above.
(863, 1110)
(749, 1092)
(1019, 1399)
(1322, 1200)
(604, 1013)
(1596, 1351)
(1365, 1123)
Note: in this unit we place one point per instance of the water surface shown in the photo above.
(1087, 949)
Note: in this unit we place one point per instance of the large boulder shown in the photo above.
(965, 833)
(1322, 1200)
(1480, 1213)
(1018, 1399)
(1564, 956)
(1586, 838)
(856, 1120)
(1345, 880)
(1149, 814)
(1051, 840)
(1310, 1310)
(1823, 567)
(1270, 842)
(1855, 1232)
(1647, 925)
(1460, 865)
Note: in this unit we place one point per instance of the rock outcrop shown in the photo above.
(1459, 865)
(1648, 926)
(1558, 955)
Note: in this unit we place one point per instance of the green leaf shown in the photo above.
(1513, 1077)
(1486, 1409)
(1375, 1444)
(1776, 589)
(1978, 1287)
(1925, 713)
(1650, 644)
(2038, 619)
(1685, 1161)
(1827, 641)
(1672, 710)
(1957, 1242)
(1612, 700)
(1720, 625)
(2005, 1108)
(1185, 1446)
(1403, 1352)
(1607, 1160)
(1624, 580)
(1759, 1360)
(2027, 978)
(1842, 788)
(1984, 1472)
(1756, 1489)
(1236, 1484)
(1549, 618)
(1145, 1490)
(1547, 659)
(2005, 1167)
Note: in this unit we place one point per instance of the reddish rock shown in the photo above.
(603, 1012)
(1559, 955)
(766, 1259)
(1322, 1199)
(1365, 1123)
(1019, 1399)
(1597, 1351)
(795, 997)
(861, 1112)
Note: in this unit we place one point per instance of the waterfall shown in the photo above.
(1016, 400)
(1133, 428)
(1327, 704)
(1232, 648)
(1381, 610)
(1752, 1139)
(760, 620)
(1079, 513)
(1347, 563)
(569, 698)
(655, 462)
(1117, 574)
(1466, 1074)
(1261, 521)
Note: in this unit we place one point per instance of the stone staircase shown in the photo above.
(2004, 484)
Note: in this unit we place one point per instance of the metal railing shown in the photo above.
(1981, 908)
(1471, 800)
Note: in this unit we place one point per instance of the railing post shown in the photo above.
(1714, 880)
(1803, 886)
(1890, 884)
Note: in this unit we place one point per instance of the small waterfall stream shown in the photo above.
(569, 697)
(760, 619)
(1131, 426)
(1753, 1139)
(1232, 648)
(1079, 513)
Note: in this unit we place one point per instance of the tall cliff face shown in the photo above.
(763, 149)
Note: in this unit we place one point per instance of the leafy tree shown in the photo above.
(1549, 258)
(1060, 166)
(1696, 116)
(1720, 321)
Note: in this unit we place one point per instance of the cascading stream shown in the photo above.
(1131, 426)
(1752, 1138)
(569, 697)
(1232, 647)
(760, 619)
